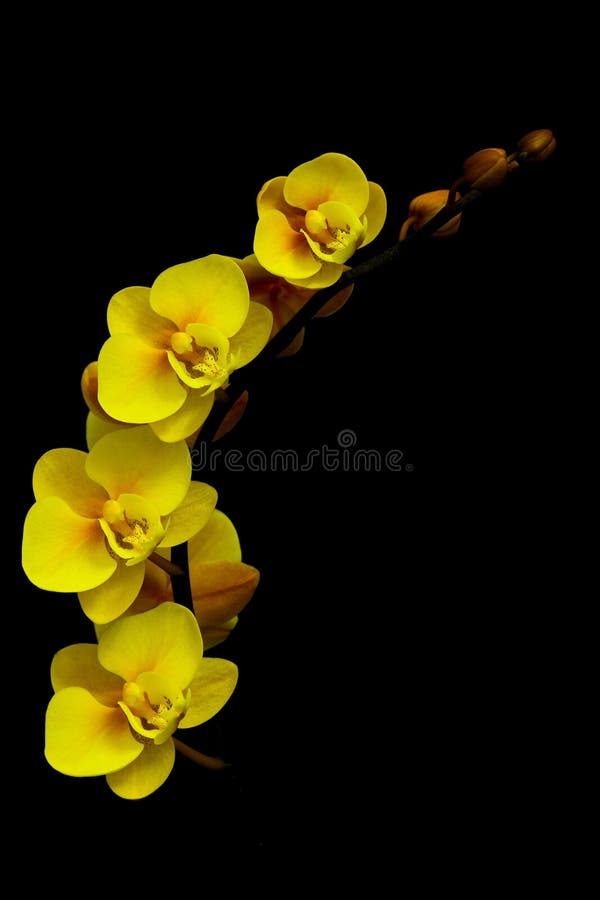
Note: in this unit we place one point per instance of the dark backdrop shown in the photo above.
(394, 671)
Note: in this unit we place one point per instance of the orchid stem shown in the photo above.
(239, 383)
(182, 590)
(209, 762)
(165, 564)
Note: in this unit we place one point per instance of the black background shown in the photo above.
(396, 671)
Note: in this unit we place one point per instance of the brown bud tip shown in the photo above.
(536, 146)
(425, 207)
(485, 169)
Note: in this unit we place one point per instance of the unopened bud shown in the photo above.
(425, 207)
(536, 146)
(485, 169)
(89, 389)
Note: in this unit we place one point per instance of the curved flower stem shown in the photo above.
(182, 591)
(386, 258)
(242, 379)
(209, 762)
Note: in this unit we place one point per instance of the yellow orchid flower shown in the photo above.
(98, 515)
(117, 704)
(221, 584)
(98, 423)
(311, 221)
(174, 344)
(285, 299)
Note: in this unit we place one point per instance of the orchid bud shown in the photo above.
(485, 169)
(536, 146)
(89, 389)
(425, 207)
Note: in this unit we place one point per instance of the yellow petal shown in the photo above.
(132, 527)
(89, 389)
(83, 737)
(343, 233)
(129, 312)
(153, 706)
(156, 587)
(209, 367)
(78, 666)
(146, 774)
(211, 291)
(252, 269)
(211, 689)
(136, 382)
(214, 635)
(332, 176)
(328, 274)
(204, 383)
(282, 298)
(188, 418)
(252, 336)
(135, 461)
(62, 551)
(61, 473)
(220, 590)
(281, 249)
(191, 515)
(271, 196)
(96, 427)
(110, 599)
(217, 540)
(375, 212)
(166, 640)
(208, 337)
